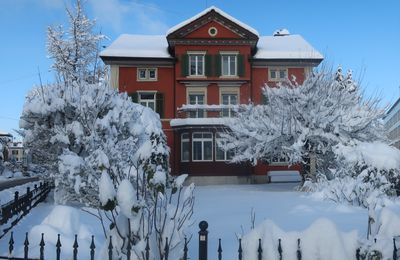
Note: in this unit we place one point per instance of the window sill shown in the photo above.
(146, 80)
(196, 77)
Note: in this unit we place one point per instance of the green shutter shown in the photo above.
(241, 65)
(160, 104)
(134, 97)
(208, 65)
(217, 67)
(184, 65)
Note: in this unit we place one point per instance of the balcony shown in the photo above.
(205, 115)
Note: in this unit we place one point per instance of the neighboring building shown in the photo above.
(5, 139)
(16, 152)
(392, 124)
(196, 74)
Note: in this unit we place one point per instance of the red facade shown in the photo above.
(208, 64)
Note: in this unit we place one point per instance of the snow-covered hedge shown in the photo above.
(368, 172)
(322, 240)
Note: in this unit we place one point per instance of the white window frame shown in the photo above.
(185, 140)
(203, 140)
(196, 54)
(147, 74)
(140, 100)
(197, 91)
(278, 77)
(229, 91)
(216, 147)
(229, 55)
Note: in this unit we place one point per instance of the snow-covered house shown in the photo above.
(197, 73)
(392, 124)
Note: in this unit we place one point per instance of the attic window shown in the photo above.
(212, 31)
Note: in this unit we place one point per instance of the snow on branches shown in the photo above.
(75, 51)
(298, 120)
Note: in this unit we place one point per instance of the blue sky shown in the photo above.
(362, 35)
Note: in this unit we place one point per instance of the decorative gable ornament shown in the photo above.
(245, 33)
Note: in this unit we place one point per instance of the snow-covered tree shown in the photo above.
(75, 51)
(299, 121)
(103, 150)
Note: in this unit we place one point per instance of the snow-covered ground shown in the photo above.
(226, 208)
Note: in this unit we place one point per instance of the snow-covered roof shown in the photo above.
(285, 47)
(138, 46)
(200, 121)
(5, 134)
(217, 10)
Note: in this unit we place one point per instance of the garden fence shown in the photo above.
(203, 247)
(12, 212)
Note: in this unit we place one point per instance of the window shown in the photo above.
(196, 64)
(280, 160)
(277, 74)
(148, 99)
(185, 147)
(229, 99)
(147, 74)
(229, 64)
(196, 98)
(221, 155)
(202, 147)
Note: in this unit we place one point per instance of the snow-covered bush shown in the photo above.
(368, 173)
(298, 121)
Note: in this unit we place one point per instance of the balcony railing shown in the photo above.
(207, 111)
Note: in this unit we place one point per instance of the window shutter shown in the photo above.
(218, 65)
(241, 66)
(134, 97)
(208, 65)
(160, 104)
(184, 65)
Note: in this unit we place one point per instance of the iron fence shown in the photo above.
(12, 212)
(203, 249)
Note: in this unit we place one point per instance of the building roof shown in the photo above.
(217, 10)
(285, 47)
(5, 134)
(156, 46)
(280, 46)
(138, 46)
(395, 104)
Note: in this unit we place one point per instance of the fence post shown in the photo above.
(280, 249)
(92, 247)
(42, 244)
(298, 250)
(110, 249)
(259, 250)
(166, 249)
(240, 251)
(185, 250)
(16, 195)
(11, 245)
(58, 247)
(219, 249)
(26, 246)
(203, 240)
(394, 249)
(147, 249)
(75, 247)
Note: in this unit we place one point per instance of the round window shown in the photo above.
(212, 31)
